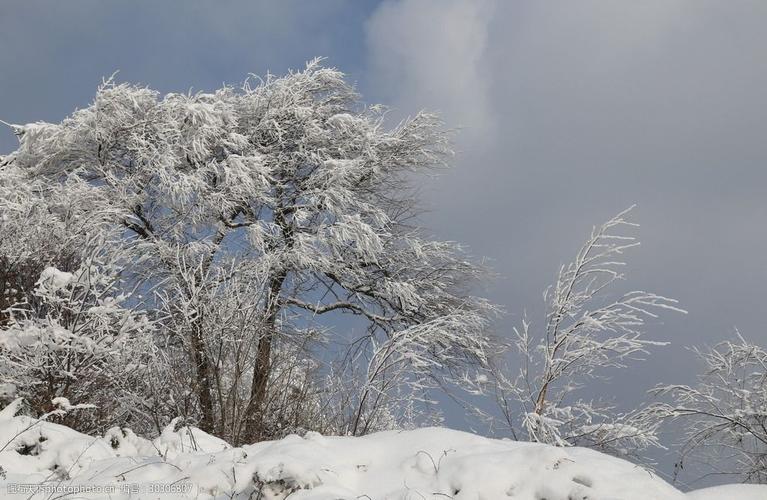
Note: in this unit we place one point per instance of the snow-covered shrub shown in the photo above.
(724, 416)
(40, 226)
(80, 340)
(584, 333)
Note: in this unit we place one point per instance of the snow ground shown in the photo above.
(429, 463)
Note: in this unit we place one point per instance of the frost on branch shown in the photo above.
(584, 334)
(76, 340)
(725, 414)
(40, 226)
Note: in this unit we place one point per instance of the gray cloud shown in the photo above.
(595, 106)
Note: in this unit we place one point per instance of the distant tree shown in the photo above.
(535, 384)
(261, 214)
(724, 416)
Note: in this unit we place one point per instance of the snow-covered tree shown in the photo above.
(585, 334)
(293, 189)
(724, 416)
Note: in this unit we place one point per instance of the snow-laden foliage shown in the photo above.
(40, 225)
(252, 219)
(78, 340)
(725, 415)
(585, 333)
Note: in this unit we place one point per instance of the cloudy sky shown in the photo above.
(569, 111)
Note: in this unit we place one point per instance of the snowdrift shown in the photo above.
(46, 460)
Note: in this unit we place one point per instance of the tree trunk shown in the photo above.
(203, 375)
(203, 366)
(540, 401)
(254, 427)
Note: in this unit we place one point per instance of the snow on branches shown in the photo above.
(287, 186)
(584, 333)
(725, 413)
(78, 338)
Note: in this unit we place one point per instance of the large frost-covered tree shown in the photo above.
(284, 202)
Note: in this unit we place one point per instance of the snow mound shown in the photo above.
(36, 450)
(441, 463)
(429, 463)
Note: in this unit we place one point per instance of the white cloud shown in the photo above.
(431, 54)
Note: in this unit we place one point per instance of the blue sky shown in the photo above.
(568, 112)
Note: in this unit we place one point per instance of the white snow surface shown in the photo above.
(53, 279)
(428, 463)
